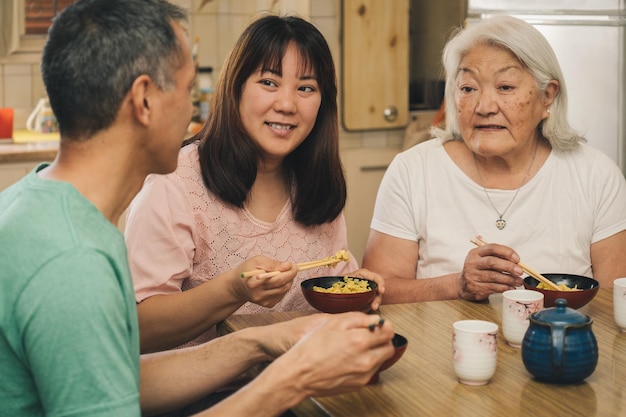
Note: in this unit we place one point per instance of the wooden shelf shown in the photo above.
(39, 13)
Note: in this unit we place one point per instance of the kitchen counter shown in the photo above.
(29, 147)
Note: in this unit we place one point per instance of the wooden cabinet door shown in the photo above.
(375, 65)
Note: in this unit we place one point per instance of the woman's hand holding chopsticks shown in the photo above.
(265, 292)
(269, 280)
(479, 241)
(489, 269)
(340, 256)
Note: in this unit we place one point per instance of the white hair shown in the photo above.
(533, 51)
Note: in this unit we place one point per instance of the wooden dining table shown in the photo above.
(423, 383)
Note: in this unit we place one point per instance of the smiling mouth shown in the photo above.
(279, 126)
(489, 127)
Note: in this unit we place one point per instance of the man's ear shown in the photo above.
(142, 93)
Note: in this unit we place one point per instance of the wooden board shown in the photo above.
(375, 66)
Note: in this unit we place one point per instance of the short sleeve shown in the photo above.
(159, 237)
(609, 187)
(393, 211)
(79, 337)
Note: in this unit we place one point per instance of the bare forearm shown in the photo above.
(410, 290)
(270, 394)
(168, 321)
(339, 356)
(607, 259)
(204, 369)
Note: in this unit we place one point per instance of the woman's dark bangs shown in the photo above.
(272, 60)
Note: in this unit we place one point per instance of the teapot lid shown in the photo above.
(560, 314)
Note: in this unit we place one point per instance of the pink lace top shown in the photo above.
(179, 235)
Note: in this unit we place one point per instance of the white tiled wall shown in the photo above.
(217, 23)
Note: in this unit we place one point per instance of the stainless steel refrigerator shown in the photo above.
(589, 39)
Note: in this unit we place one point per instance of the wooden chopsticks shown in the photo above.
(479, 241)
(340, 256)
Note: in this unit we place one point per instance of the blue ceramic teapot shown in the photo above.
(559, 345)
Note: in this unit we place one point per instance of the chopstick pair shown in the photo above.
(479, 241)
(340, 256)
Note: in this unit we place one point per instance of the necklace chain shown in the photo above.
(501, 223)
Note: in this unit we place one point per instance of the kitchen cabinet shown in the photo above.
(364, 169)
(375, 64)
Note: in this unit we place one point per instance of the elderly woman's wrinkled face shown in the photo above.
(498, 104)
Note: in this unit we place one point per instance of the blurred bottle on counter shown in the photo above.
(201, 92)
(195, 91)
(205, 91)
(194, 50)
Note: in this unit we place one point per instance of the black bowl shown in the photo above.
(575, 299)
(399, 344)
(337, 303)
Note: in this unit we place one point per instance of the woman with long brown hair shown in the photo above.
(263, 177)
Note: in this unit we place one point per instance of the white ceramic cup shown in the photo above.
(517, 306)
(619, 303)
(475, 351)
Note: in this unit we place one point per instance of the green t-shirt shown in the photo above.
(69, 338)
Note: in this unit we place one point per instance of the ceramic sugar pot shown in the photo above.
(559, 345)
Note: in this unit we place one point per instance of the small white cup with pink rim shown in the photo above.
(517, 306)
(619, 303)
(475, 351)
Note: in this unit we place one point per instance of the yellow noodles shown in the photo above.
(347, 286)
(562, 287)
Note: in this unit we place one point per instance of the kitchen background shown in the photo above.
(217, 24)
(389, 71)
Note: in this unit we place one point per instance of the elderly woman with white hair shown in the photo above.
(508, 167)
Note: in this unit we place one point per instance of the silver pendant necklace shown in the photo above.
(501, 223)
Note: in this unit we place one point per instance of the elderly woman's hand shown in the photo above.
(489, 269)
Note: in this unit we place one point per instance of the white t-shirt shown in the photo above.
(577, 198)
